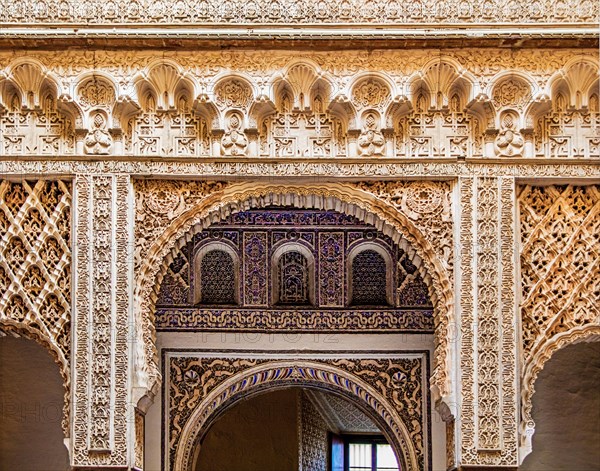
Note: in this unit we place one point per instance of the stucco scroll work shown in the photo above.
(35, 267)
(560, 267)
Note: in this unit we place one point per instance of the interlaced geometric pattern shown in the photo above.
(217, 278)
(560, 261)
(368, 279)
(35, 261)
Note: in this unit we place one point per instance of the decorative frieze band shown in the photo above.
(288, 12)
(296, 320)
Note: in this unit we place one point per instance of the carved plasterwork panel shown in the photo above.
(560, 269)
(198, 387)
(43, 131)
(35, 267)
(428, 205)
(140, 12)
(346, 198)
(330, 238)
(327, 108)
(488, 353)
(160, 202)
(101, 426)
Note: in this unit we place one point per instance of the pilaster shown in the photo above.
(100, 429)
(486, 306)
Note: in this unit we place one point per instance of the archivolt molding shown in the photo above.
(348, 199)
(560, 271)
(200, 389)
(35, 268)
(343, 105)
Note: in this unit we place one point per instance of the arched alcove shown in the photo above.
(566, 410)
(31, 400)
(292, 428)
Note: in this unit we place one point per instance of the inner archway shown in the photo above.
(566, 410)
(31, 397)
(293, 428)
(384, 406)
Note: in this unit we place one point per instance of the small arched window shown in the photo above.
(293, 278)
(369, 279)
(217, 278)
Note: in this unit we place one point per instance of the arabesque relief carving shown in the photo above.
(140, 12)
(560, 269)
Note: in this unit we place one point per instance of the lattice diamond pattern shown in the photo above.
(35, 260)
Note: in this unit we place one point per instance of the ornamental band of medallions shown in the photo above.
(269, 12)
(390, 293)
(400, 380)
(560, 270)
(35, 268)
(101, 323)
(309, 106)
(487, 317)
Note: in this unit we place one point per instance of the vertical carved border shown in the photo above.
(509, 368)
(489, 424)
(331, 265)
(101, 342)
(102, 281)
(465, 279)
(82, 291)
(256, 281)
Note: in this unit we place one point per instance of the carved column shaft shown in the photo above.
(101, 322)
(487, 429)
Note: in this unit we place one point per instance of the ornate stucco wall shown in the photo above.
(479, 161)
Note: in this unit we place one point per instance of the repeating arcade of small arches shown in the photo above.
(218, 279)
(209, 269)
(35, 261)
(165, 95)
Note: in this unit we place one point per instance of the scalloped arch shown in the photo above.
(340, 197)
